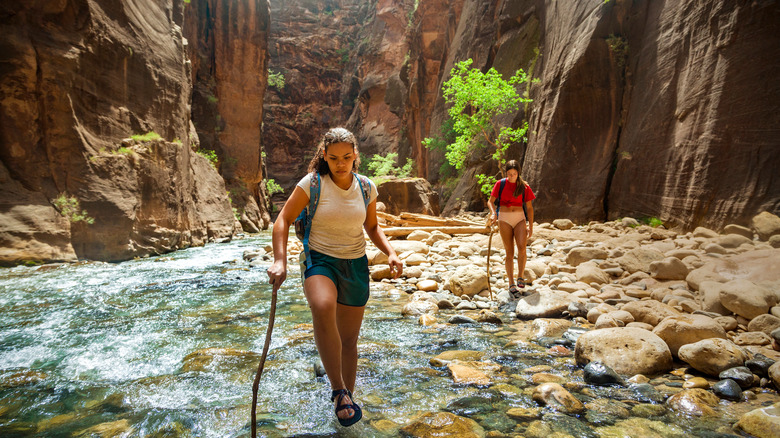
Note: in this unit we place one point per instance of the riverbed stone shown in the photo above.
(766, 225)
(119, 428)
(764, 323)
(759, 365)
(712, 356)
(650, 311)
(596, 373)
(774, 374)
(467, 280)
(563, 224)
(402, 246)
(639, 259)
(583, 254)
(762, 422)
(746, 298)
(641, 427)
(727, 389)
(445, 357)
(524, 414)
(589, 272)
(427, 285)
(709, 291)
(227, 358)
(419, 307)
(542, 304)
(670, 268)
(696, 382)
(558, 398)
(752, 338)
(438, 424)
(741, 375)
(678, 330)
(698, 402)
(738, 229)
(626, 350)
(464, 374)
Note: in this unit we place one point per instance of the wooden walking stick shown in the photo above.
(490, 241)
(256, 384)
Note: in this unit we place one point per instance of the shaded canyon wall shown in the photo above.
(78, 77)
(228, 49)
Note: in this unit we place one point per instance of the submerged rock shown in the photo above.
(698, 402)
(438, 424)
(557, 397)
(762, 422)
(597, 373)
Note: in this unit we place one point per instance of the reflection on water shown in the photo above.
(169, 346)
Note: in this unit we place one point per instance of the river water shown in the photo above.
(168, 346)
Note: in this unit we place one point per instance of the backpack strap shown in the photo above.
(500, 189)
(314, 199)
(525, 210)
(365, 187)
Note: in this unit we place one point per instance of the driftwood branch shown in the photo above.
(403, 231)
(422, 220)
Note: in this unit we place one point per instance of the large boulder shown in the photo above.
(413, 195)
(712, 356)
(757, 266)
(626, 350)
(670, 268)
(584, 254)
(589, 272)
(543, 304)
(762, 422)
(650, 311)
(467, 280)
(679, 330)
(766, 225)
(639, 259)
(747, 299)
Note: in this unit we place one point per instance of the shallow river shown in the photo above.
(107, 349)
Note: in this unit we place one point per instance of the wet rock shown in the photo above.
(476, 404)
(650, 311)
(762, 422)
(539, 378)
(596, 373)
(420, 307)
(647, 410)
(119, 428)
(427, 320)
(488, 317)
(626, 350)
(727, 389)
(696, 382)
(696, 402)
(550, 327)
(226, 358)
(542, 304)
(557, 397)
(647, 393)
(466, 375)
(427, 285)
(524, 414)
(766, 225)
(641, 427)
(608, 411)
(759, 365)
(746, 299)
(461, 319)
(679, 330)
(22, 378)
(448, 356)
(712, 356)
(437, 424)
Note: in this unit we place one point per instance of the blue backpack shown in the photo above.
(498, 201)
(303, 221)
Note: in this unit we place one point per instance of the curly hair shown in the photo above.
(513, 164)
(334, 135)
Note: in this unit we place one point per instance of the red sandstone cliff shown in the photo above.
(78, 77)
(228, 48)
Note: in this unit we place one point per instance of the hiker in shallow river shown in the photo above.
(510, 206)
(336, 267)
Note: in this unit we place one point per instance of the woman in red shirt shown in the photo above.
(513, 226)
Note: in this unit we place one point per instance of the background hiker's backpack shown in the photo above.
(498, 201)
(303, 221)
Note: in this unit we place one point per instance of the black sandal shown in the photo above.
(520, 283)
(346, 422)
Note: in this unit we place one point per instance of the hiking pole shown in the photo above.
(490, 240)
(256, 384)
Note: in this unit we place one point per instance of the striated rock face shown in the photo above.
(228, 49)
(78, 77)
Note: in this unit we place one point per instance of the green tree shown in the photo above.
(476, 101)
(380, 166)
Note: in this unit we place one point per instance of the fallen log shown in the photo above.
(404, 231)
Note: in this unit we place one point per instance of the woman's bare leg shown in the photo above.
(521, 238)
(506, 232)
(321, 294)
(349, 320)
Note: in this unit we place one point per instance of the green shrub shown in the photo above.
(69, 207)
(275, 80)
(149, 136)
(273, 187)
(380, 166)
(210, 155)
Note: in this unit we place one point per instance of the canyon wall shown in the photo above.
(642, 108)
(228, 49)
(78, 78)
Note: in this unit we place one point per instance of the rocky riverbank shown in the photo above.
(680, 322)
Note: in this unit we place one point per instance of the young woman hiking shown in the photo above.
(513, 226)
(336, 275)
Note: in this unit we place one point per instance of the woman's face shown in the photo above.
(512, 175)
(340, 157)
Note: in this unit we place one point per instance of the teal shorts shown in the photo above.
(349, 275)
